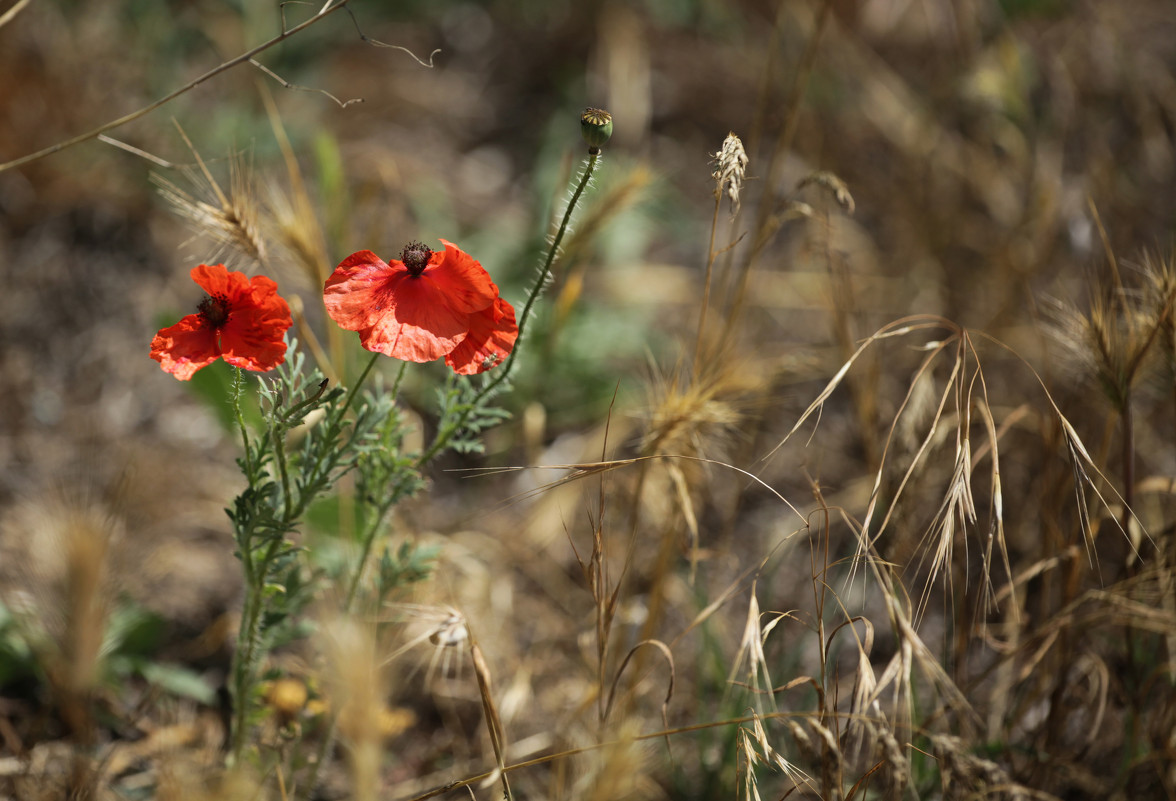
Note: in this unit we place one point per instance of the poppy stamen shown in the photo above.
(214, 310)
(415, 257)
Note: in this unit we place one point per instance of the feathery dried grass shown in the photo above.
(65, 544)
(230, 221)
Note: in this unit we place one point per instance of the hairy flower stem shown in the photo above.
(589, 168)
(247, 647)
(446, 433)
(244, 654)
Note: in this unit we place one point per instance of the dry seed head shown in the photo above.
(755, 749)
(230, 221)
(1111, 341)
(442, 627)
(731, 163)
(700, 415)
(1160, 275)
(834, 185)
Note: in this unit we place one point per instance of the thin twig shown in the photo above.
(11, 13)
(288, 85)
(377, 43)
(136, 151)
(134, 115)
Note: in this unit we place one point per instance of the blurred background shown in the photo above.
(996, 151)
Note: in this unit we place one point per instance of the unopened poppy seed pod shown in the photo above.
(596, 127)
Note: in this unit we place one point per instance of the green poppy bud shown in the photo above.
(596, 126)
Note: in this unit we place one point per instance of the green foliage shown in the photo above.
(412, 563)
(17, 660)
(310, 438)
(465, 414)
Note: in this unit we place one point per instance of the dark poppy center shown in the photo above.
(214, 310)
(415, 257)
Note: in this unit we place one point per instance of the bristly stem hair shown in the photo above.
(589, 168)
(447, 432)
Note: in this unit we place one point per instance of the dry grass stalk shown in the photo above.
(493, 721)
(1112, 343)
(669, 657)
(358, 692)
(65, 544)
(230, 221)
(961, 771)
(731, 165)
(692, 415)
(1160, 288)
(617, 770)
(296, 224)
(751, 651)
(833, 185)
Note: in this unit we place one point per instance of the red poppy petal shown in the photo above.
(253, 338)
(216, 280)
(466, 284)
(419, 328)
(185, 347)
(492, 336)
(251, 351)
(358, 293)
(264, 292)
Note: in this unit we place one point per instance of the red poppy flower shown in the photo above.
(241, 319)
(491, 337)
(417, 308)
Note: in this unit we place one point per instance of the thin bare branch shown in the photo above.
(136, 151)
(11, 13)
(145, 110)
(288, 85)
(377, 43)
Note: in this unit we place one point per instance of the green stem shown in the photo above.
(446, 432)
(395, 391)
(238, 386)
(589, 168)
(278, 435)
(257, 566)
(351, 393)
